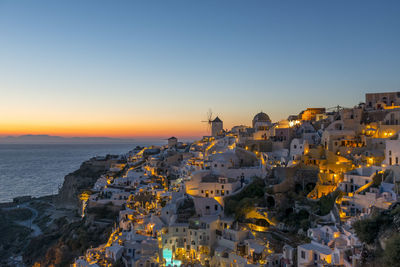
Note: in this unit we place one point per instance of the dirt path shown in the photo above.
(29, 223)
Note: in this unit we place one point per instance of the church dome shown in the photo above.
(261, 117)
(261, 121)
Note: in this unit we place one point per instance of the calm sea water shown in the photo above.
(39, 170)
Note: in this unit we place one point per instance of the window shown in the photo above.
(222, 186)
(303, 254)
(397, 160)
(216, 207)
(390, 152)
(217, 191)
(227, 192)
(390, 161)
(176, 230)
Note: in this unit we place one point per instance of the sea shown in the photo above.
(39, 169)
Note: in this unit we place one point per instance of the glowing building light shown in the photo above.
(169, 259)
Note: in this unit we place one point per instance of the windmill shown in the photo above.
(209, 120)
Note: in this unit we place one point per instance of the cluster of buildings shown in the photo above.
(172, 199)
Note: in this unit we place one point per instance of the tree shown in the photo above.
(366, 230)
(391, 254)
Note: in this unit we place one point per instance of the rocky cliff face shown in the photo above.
(69, 236)
(82, 179)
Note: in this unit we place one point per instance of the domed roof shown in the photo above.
(261, 117)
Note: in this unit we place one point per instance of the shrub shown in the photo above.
(366, 230)
(326, 203)
(250, 196)
(391, 255)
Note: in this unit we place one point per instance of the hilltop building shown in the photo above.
(382, 100)
(310, 113)
(172, 141)
(216, 127)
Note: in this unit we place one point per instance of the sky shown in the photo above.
(154, 68)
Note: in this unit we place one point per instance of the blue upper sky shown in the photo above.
(88, 62)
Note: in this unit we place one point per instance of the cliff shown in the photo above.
(82, 179)
(69, 236)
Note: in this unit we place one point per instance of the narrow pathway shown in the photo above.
(29, 223)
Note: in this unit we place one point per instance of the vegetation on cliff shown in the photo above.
(381, 233)
(251, 196)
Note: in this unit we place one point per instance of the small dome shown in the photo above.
(261, 117)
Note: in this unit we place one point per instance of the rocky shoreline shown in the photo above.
(48, 230)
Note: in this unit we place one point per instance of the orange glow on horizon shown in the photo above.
(104, 130)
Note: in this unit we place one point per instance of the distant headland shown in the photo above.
(50, 139)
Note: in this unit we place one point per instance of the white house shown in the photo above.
(392, 151)
(313, 254)
(205, 184)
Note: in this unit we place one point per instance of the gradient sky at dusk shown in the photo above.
(154, 68)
